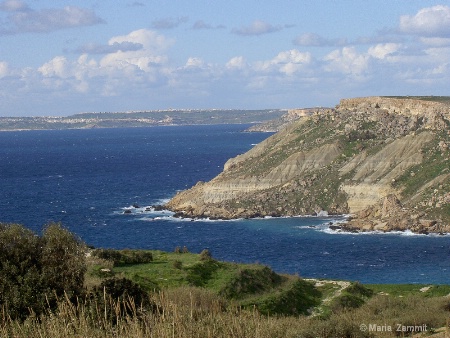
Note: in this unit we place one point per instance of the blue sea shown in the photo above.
(87, 179)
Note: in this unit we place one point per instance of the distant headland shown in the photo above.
(141, 119)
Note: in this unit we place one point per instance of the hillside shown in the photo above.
(140, 119)
(151, 293)
(383, 159)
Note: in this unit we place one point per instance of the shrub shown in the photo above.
(63, 261)
(352, 297)
(123, 289)
(346, 301)
(205, 255)
(21, 285)
(121, 298)
(199, 274)
(35, 271)
(124, 257)
(357, 288)
(251, 281)
(177, 264)
(299, 298)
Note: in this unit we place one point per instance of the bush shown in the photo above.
(177, 264)
(121, 298)
(21, 284)
(251, 281)
(35, 271)
(357, 288)
(352, 297)
(199, 274)
(299, 298)
(205, 255)
(124, 257)
(346, 301)
(63, 261)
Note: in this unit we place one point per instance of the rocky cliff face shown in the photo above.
(343, 160)
(290, 116)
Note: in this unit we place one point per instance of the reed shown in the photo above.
(196, 312)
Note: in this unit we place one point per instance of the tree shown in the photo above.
(35, 270)
(63, 261)
(20, 267)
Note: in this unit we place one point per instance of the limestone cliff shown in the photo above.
(342, 160)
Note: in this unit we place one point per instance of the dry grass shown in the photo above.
(195, 312)
(185, 312)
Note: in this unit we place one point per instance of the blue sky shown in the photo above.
(63, 57)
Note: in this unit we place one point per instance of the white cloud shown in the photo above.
(169, 23)
(292, 56)
(313, 39)
(4, 69)
(436, 42)
(347, 61)
(257, 27)
(432, 22)
(381, 51)
(287, 62)
(23, 19)
(237, 62)
(194, 62)
(114, 47)
(150, 55)
(115, 73)
(200, 24)
(13, 6)
(136, 68)
(57, 67)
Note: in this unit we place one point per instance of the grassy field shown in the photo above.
(317, 304)
(193, 295)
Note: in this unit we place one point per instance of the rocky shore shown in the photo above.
(386, 161)
(390, 215)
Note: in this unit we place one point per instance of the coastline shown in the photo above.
(350, 223)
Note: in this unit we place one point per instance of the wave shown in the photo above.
(150, 209)
(150, 213)
(406, 233)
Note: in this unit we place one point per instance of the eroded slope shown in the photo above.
(341, 160)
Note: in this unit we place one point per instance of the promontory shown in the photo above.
(382, 160)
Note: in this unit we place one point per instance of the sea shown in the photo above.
(101, 184)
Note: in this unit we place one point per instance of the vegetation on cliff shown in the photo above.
(341, 160)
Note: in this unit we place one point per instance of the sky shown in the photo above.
(59, 58)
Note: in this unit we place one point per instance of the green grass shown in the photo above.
(255, 285)
(240, 300)
(210, 274)
(247, 285)
(161, 270)
(404, 290)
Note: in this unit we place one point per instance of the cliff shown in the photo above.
(338, 161)
(290, 116)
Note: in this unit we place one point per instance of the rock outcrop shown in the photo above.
(284, 120)
(384, 160)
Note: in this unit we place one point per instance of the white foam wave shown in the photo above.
(162, 201)
(148, 210)
(407, 233)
